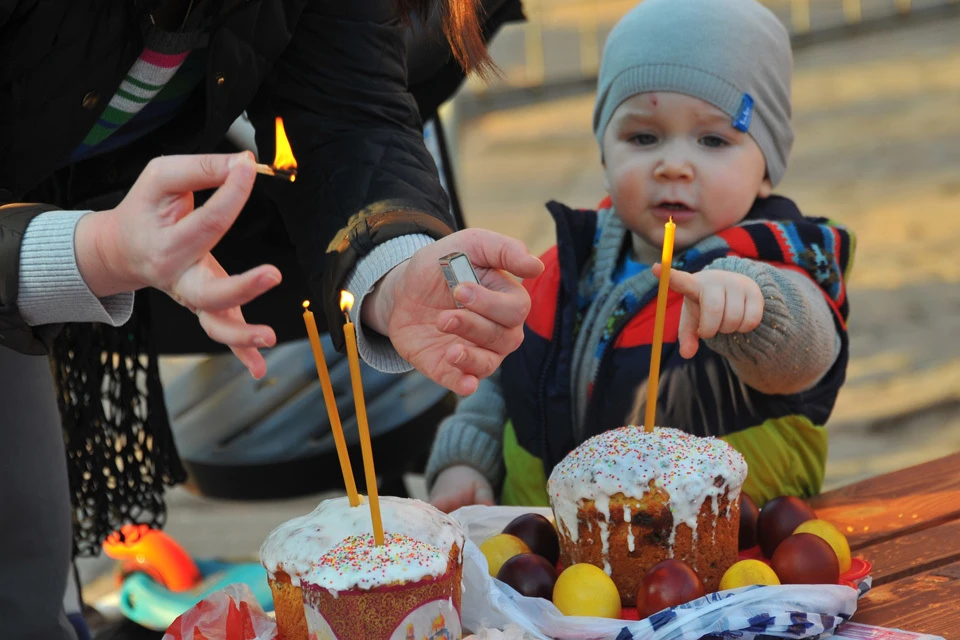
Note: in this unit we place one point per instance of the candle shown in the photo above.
(353, 357)
(653, 381)
(331, 402)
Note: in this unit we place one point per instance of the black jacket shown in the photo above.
(334, 70)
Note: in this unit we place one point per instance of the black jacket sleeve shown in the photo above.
(365, 175)
(15, 333)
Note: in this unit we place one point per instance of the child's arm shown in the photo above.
(795, 343)
(468, 449)
(773, 325)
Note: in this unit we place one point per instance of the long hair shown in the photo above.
(461, 26)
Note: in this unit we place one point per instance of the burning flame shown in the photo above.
(346, 301)
(306, 304)
(284, 158)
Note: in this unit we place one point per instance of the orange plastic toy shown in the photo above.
(153, 552)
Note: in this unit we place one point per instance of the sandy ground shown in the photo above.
(878, 146)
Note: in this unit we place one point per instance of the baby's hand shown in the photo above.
(714, 302)
(459, 486)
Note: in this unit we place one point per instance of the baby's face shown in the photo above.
(668, 154)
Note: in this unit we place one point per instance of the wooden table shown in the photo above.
(907, 523)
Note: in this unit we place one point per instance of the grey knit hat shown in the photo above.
(734, 54)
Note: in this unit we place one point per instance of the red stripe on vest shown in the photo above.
(546, 287)
(740, 242)
(639, 331)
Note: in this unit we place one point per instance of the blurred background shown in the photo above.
(876, 97)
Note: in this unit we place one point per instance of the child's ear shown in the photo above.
(766, 188)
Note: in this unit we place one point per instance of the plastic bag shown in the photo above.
(232, 613)
(786, 611)
(510, 632)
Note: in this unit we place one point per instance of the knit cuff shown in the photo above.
(375, 349)
(51, 289)
(768, 337)
(795, 343)
(458, 442)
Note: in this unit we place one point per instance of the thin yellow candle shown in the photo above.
(666, 260)
(353, 357)
(331, 402)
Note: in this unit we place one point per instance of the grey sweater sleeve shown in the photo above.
(796, 342)
(473, 435)
(375, 349)
(51, 289)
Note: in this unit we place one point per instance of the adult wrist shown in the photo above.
(96, 244)
(378, 307)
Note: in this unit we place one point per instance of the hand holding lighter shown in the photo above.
(456, 268)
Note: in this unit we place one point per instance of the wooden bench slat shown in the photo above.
(900, 502)
(925, 603)
(906, 555)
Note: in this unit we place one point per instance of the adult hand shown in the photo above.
(456, 347)
(155, 238)
(460, 486)
(714, 302)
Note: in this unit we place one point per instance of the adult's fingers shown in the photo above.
(491, 250)
(203, 228)
(252, 359)
(173, 175)
(452, 371)
(226, 292)
(473, 360)
(507, 307)
(229, 328)
(480, 331)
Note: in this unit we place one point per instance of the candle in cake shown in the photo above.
(330, 400)
(670, 229)
(353, 357)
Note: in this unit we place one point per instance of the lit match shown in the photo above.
(267, 170)
(284, 164)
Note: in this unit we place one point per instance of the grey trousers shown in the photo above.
(35, 533)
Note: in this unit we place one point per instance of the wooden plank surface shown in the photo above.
(928, 602)
(902, 502)
(913, 553)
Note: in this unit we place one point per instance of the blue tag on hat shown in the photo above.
(744, 114)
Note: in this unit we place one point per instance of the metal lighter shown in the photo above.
(456, 268)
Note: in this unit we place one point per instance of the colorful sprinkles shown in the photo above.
(360, 557)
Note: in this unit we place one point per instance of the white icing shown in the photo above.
(626, 518)
(418, 543)
(605, 546)
(627, 459)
